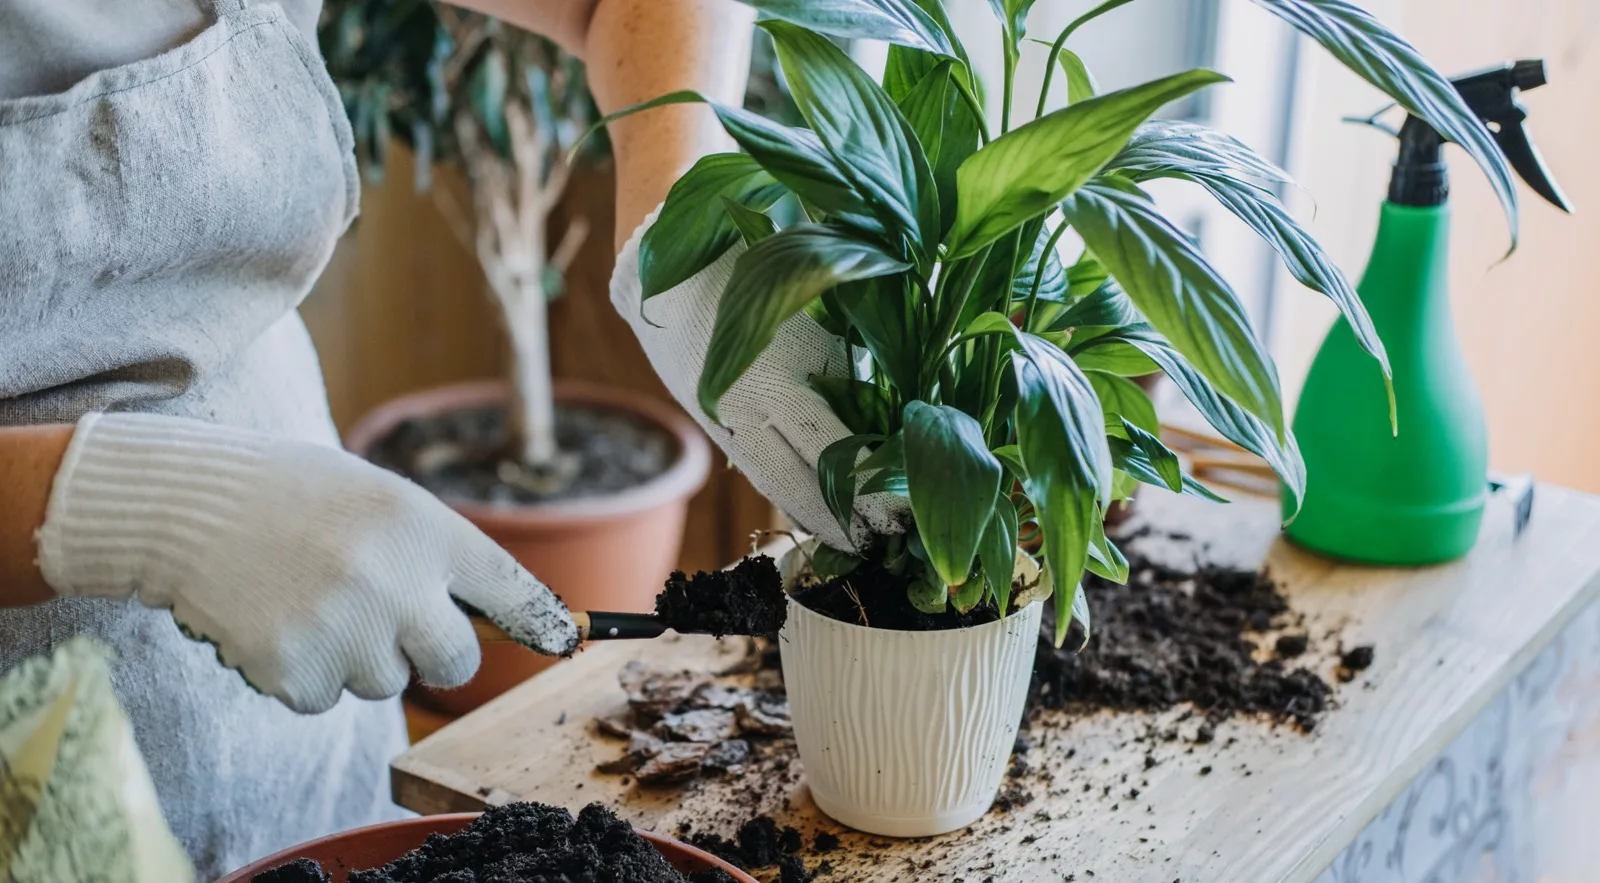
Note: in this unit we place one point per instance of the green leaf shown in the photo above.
(953, 480)
(880, 311)
(860, 406)
(1162, 459)
(985, 325)
(997, 552)
(900, 22)
(1080, 83)
(968, 595)
(1024, 173)
(795, 157)
(1072, 398)
(1122, 398)
(889, 455)
(836, 478)
(863, 130)
(927, 593)
(1304, 257)
(1080, 615)
(1105, 559)
(1134, 463)
(1052, 283)
(1388, 62)
(1057, 478)
(829, 563)
(945, 127)
(1162, 147)
(886, 481)
(1178, 290)
(771, 282)
(1010, 456)
(753, 226)
(1013, 16)
(1233, 422)
(1112, 357)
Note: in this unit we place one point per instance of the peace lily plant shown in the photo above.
(991, 385)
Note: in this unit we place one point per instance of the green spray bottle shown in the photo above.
(1415, 496)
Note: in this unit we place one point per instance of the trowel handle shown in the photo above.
(594, 626)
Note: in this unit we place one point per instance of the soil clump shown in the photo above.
(745, 600)
(872, 596)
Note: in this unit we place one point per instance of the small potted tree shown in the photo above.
(989, 380)
(563, 475)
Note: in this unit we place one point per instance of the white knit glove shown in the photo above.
(311, 570)
(774, 425)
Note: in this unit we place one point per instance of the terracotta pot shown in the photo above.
(377, 845)
(597, 553)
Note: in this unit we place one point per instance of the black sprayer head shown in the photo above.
(1420, 175)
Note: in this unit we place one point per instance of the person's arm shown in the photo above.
(636, 50)
(29, 457)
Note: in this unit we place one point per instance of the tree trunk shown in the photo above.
(531, 416)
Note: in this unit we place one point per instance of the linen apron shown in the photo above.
(159, 224)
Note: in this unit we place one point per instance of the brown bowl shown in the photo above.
(377, 845)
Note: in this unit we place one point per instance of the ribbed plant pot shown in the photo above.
(376, 845)
(598, 553)
(906, 734)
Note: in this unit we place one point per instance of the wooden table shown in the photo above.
(1478, 724)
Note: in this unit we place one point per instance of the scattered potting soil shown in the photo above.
(1176, 635)
(461, 455)
(523, 841)
(872, 596)
(1357, 659)
(745, 600)
(761, 843)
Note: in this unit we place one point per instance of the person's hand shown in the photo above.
(311, 570)
(774, 425)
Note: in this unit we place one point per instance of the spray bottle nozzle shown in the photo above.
(1420, 175)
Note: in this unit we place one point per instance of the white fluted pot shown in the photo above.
(906, 734)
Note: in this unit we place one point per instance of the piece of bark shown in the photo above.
(676, 762)
(719, 696)
(766, 716)
(653, 692)
(619, 725)
(727, 755)
(702, 725)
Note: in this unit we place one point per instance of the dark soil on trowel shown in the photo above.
(1184, 635)
(747, 599)
(522, 841)
(462, 455)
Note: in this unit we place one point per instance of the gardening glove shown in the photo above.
(311, 570)
(774, 425)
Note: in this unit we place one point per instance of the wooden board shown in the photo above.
(1276, 805)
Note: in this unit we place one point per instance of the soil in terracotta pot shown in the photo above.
(522, 841)
(745, 600)
(460, 455)
(872, 596)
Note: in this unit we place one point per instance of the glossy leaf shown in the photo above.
(795, 157)
(1122, 398)
(901, 22)
(1052, 282)
(771, 282)
(1105, 559)
(863, 130)
(1162, 147)
(1382, 58)
(1135, 463)
(1058, 480)
(1178, 291)
(836, 478)
(945, 127)
(1080, 615)
(1112, 357)
(1013, 16)
(862, 407)
(927, 593)
(829, 563)
(753, 226)
(886, 481)
(1072, 398)
(1080, 83)
(997, 552)
(953, 481)
(693, 228)
(1162, 459)
(1226, 416)
(879, 310)
(1024, 173)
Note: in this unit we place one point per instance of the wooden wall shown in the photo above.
(402, 306)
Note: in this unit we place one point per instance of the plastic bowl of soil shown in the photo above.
(518, 841)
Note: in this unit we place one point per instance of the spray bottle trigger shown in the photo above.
(1524, 157)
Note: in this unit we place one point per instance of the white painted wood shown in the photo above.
(1277, 806)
